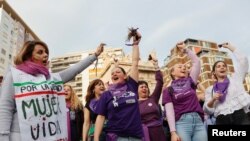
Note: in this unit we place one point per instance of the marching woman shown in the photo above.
(184, 113)
(227, 98)
(32, 100)
(119, 104)
(150, 109)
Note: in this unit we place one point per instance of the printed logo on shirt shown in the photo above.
(181, 94)
(129, 101)
(126, 95)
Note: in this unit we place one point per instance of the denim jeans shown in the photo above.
(190, 127)
(128, 139)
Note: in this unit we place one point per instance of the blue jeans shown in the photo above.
(128, 139)
(190, 127)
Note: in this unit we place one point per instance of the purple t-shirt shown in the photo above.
(149, 109)
(122, 111)
(183, 98)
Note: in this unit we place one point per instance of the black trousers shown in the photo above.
(238, 117)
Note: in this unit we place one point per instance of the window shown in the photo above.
(211, 60)
(219, 59)
(3, 51)
(206, 45)
(202, 52)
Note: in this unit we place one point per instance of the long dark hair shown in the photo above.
(90, 91)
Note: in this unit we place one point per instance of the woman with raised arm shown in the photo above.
(32, 100)
(184, 113)
(227, 98)
(149, 107)
(119, 104)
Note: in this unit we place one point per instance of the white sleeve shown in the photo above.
(208, 97)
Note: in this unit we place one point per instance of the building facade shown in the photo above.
(13, 33)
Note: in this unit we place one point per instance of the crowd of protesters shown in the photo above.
(36, 104)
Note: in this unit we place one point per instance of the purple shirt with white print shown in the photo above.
(183, 98)
(122, 110)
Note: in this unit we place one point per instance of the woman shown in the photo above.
(74, 114)
(94, 91)
(227, 98)
(149, 108)
(33, 99)
(184, 113)
(120, 103)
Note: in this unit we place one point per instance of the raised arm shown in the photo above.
(69, 73)
(134, 73)
(159, 80)
(196, 65)
(7, 107)
(242, 61)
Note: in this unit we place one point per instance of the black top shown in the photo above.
(93, 115)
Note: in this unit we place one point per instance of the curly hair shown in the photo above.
(75, 103)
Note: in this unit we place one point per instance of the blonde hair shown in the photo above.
(75, 103)
(27, 49)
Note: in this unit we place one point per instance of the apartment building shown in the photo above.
(13, 33)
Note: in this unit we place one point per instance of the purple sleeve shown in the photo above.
(133, 84)
(196, 65)
(101, 107)
(166, 98)
(158, 88)
(169, 108)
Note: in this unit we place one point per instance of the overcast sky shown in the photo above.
(80, 25)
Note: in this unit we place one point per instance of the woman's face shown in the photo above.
(143, 91)
(118, 76)
(40, 55)
(68, 92)
(99, 88)
(220, 70)
(179, 71)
